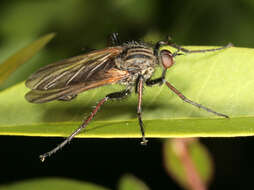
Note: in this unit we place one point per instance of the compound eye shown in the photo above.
(166, 59)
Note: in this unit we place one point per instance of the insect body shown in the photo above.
(130, 64)
(138, 60)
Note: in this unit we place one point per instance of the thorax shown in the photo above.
(137, 60)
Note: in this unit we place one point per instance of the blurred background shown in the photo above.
(82, 25)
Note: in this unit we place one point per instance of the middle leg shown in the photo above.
(140, 86)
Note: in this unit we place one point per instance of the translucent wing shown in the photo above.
(65, 79)
(73, 71)
(110, 76)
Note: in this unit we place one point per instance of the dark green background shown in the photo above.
(82, 25)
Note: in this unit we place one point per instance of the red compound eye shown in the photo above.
(166, 59)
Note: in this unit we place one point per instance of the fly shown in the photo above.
(129, 64)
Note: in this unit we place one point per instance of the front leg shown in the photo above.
(159, 80)
(178, 93)
(199, 51)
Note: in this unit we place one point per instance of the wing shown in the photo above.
(110, 76)
(74, 70)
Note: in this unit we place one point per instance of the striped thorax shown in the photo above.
(138, 60)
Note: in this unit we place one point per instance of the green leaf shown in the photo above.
(128, 182)
(197, 153)
(51, 184)
(222, 80)
(23, 55)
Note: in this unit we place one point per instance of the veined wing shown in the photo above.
(73, 70)
(110, 76)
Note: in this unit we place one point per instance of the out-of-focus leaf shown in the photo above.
(52, 184)
(128, 182)
(12, 63)
(199, 155)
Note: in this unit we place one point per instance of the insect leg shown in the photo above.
(116, 95)
(200, 51)
(114, 40)
(159, 80)
(171, 87)
(139, 108)
(154, 81)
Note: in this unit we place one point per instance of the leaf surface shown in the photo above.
(222, 81)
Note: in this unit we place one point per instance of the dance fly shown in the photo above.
(130, 64)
